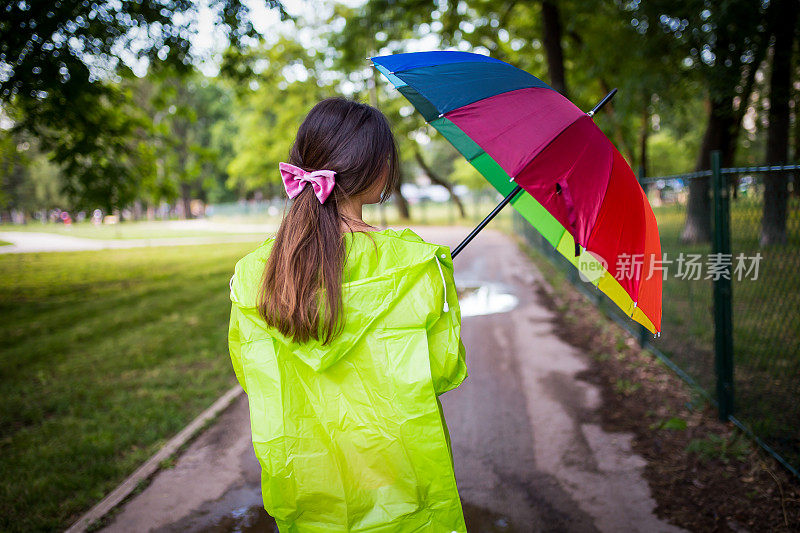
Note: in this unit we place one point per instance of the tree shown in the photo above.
(379, 26)
(551, 23)
(28, 181)
(100, 143)
(61, 61)
(269, 110)
(187, 110)
(720, 41)
(592, 42)
(783, 17)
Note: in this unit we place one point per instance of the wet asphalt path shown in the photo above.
(529, 452)
(487, 416)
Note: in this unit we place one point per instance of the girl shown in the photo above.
(343, 336)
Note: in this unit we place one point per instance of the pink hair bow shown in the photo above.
(295, 178)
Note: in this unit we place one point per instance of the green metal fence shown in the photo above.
(731, 304)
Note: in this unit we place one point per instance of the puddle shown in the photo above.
(238, 511)
(480, 520)
(255, 519)
(244, 520)
(485, 298)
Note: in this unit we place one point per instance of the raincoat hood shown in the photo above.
(369, 293)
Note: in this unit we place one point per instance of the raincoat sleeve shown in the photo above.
(235, 342)
(447, 352)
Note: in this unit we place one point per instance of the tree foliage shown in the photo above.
(62, 65)
(686, 73)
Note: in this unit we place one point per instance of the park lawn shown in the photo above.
(104, 356)
(687, 317)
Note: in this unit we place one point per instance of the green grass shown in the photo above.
(687, 319)
(104, 356)
(766, 323)
(626, 387)
(719, 448)
(4, 243)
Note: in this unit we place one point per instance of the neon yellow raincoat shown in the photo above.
(351, 436)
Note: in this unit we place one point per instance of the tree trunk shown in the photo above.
(402, 203)
(439, 181)
(551, 21)
(186, 200)
(718, 136)
(776, 191)
(759, 51)
(645, 133)
(137, 210)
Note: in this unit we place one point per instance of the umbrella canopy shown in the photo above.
(577, 189)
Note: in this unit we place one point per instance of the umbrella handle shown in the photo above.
(602, 102)
(486, 220)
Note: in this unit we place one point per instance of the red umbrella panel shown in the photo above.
(577, 190)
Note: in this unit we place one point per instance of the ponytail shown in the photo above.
(301, 290)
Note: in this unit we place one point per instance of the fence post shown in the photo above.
(723, 315)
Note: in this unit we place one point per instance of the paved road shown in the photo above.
(529, 452)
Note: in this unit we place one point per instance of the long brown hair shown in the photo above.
(307, 259)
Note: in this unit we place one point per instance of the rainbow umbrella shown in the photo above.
(549, 160)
